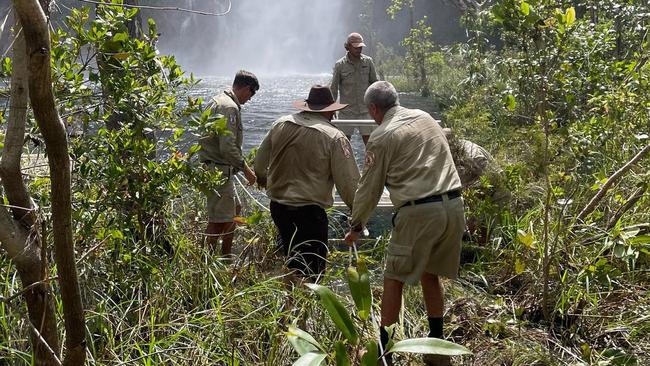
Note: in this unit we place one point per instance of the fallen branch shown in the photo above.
(610, 182)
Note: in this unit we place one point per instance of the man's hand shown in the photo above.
(250, 176)
(351, 237)
(261, 182)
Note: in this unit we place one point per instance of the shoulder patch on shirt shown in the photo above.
(370, 159)
(232, 120)
(345, 147)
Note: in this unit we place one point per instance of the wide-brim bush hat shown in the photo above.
(319, 100)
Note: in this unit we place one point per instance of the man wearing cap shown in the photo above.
(409, 155)
(224, 153)
(352, 74)
(299, 162)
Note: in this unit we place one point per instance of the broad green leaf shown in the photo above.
(359, 284)
(524, 7)
(641, 239)
(629, 233)
(120, 37)
(372, 354)
(310, 359)
(336, 311)
(430, 345)
(302, 341)
(619, 250)
(570, 16)
(341, 354)
(117, 234)
(520, 266)
(509, 102)
(121, 55)
(525, 238)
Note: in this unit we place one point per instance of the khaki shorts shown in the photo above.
(222, 204)
(426, 238)
(348, 131)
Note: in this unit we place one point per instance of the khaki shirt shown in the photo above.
(351, 79)
(301, 159)
(409, 155)
(225, 149)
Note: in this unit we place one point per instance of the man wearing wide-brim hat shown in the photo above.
(299, 162)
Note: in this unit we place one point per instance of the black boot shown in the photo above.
(383, 338)
(435, 331)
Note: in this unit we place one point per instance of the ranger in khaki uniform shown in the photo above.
(300, 161)
(352, 74)
(223, 152)
(409, 155)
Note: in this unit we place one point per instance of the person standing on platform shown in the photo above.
(352, 75)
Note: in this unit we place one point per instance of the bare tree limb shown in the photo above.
(164, 8)
(634, 198)
(610, 182)
(37, 38)
(12, 180)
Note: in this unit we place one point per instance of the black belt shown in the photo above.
(213, 162)
(434, 198)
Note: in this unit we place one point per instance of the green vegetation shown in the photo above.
(561, 102)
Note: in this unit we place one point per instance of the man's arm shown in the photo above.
(344, 170)
(371, 185)
(228, 147)
(373, 73)
(336, 78)
(262, 159)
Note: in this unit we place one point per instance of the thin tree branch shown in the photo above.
(164, 8)
(634, 198)
(44, 342)
(610, 182)
(25, 289)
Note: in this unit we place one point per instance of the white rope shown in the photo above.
(251, 195)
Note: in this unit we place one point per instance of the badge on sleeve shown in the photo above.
(232, 121)
(370, 159)
(345, 146)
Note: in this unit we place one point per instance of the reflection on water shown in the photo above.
(274, 98)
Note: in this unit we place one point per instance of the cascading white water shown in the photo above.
(276, 37)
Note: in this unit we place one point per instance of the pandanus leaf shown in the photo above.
(359, 284)
(310, 359)
(302, 341)
(341, 354)
(336, 311)
(430, 345)
(372, 354)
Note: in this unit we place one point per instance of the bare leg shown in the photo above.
(433, 292)
(224, 231)
(433, 295)
(391, 301)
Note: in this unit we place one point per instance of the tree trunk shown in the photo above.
(41, 95)
(20, 234)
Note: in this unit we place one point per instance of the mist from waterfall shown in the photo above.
(276, 37)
